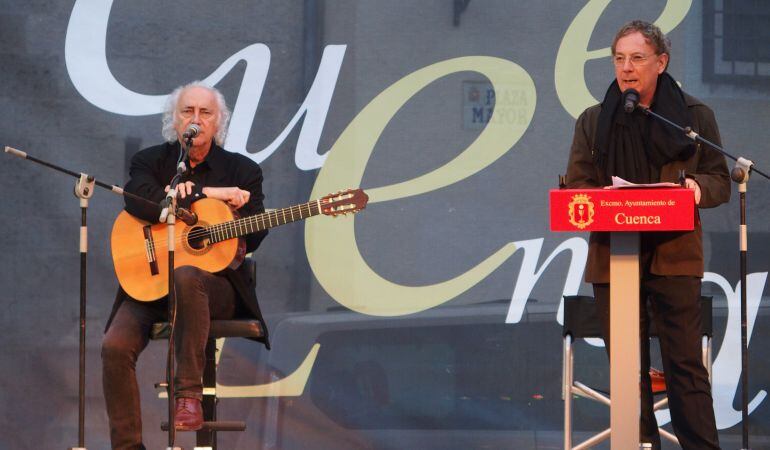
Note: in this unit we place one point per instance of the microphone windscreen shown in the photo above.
(630, 99)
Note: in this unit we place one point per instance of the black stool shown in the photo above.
(581, 321)
(206, 437)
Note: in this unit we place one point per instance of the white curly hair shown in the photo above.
(169, 112)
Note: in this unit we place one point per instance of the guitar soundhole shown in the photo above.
(196, 240)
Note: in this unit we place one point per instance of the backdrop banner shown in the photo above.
(432, 318)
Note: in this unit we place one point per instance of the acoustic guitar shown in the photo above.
(140, 249)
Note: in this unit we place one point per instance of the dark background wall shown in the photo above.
(503, 384)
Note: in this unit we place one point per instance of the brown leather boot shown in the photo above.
(189, 415)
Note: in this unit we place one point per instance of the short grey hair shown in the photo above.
(169, 112)
(652, 34)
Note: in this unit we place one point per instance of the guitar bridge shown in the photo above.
(149, 248)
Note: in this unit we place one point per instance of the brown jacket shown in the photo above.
(675, 253)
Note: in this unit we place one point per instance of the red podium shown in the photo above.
(623, 212)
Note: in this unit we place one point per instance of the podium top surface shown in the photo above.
(634, 209)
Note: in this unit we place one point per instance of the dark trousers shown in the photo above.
(201, 296)
(675, 304)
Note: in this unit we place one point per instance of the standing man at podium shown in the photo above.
(608, 142)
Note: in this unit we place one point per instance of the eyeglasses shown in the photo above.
(636, 60)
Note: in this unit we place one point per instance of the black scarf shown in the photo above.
(635, 146)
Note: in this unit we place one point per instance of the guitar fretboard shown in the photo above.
(252, 224)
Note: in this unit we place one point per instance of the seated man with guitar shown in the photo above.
(202, 294)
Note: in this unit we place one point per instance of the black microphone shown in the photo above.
(630, 99)
(191, 131)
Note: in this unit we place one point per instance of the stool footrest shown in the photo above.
(219, 425)
(247, 328)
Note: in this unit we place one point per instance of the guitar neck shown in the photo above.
(259, 222)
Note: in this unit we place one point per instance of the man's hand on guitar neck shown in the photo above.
(233, 196)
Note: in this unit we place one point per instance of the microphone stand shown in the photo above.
(84, 189)
(740, 174)
(170, 206)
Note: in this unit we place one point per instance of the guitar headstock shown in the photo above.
(343, 202)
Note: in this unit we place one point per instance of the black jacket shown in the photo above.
(153, 168)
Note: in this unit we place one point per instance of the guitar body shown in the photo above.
(140, 250)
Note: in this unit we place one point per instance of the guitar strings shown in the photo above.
(264, 219)
(233, 226)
